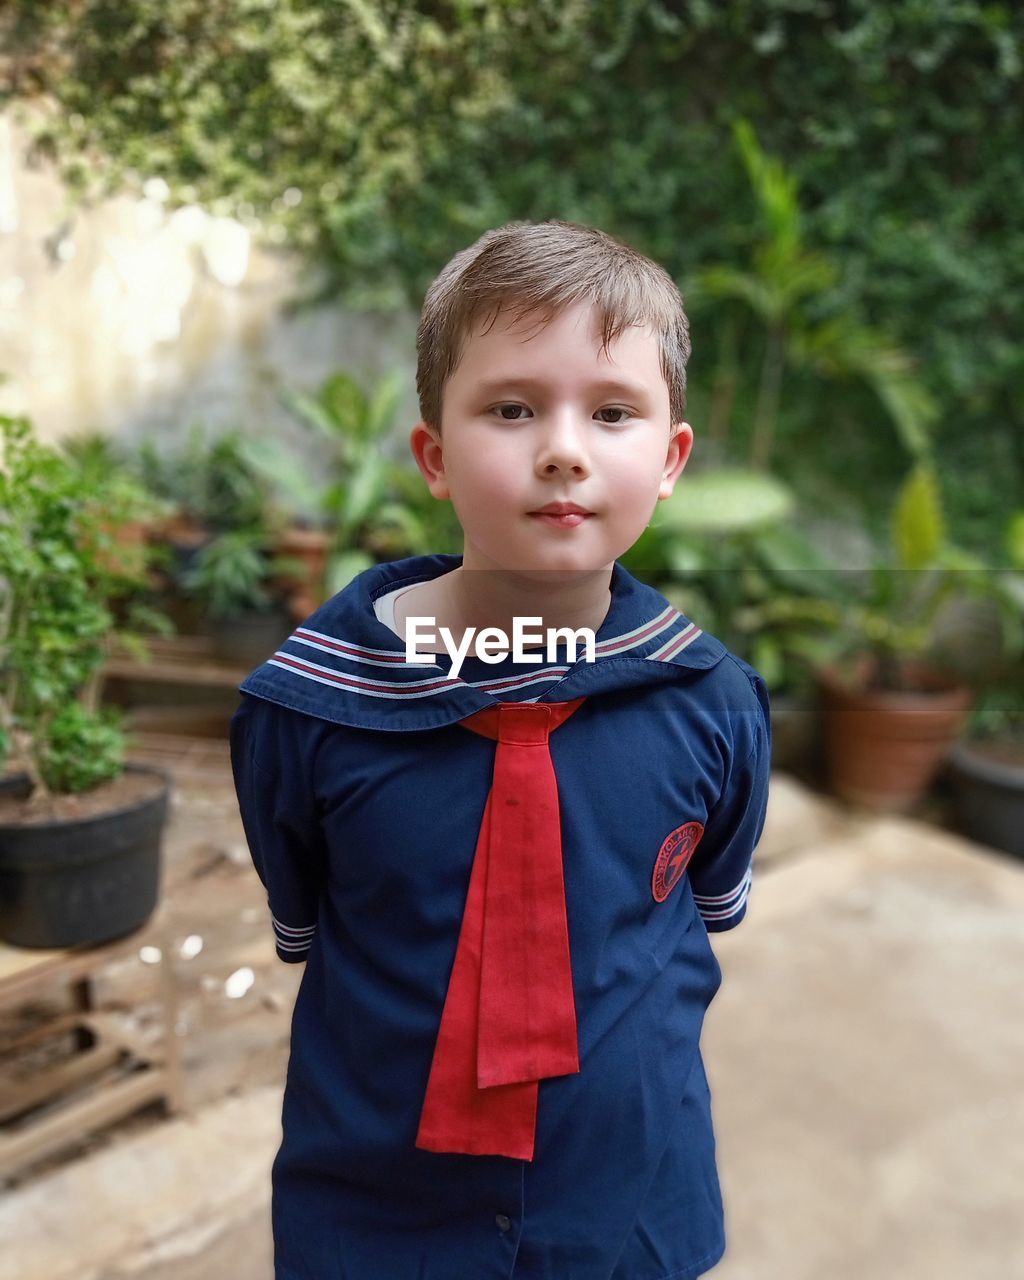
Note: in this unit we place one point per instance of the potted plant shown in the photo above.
(123, 542)
(209, 488)
(891, 702)
(986, 767)
(80, 830)
(233, 578)
(725, 550)
(365, 508)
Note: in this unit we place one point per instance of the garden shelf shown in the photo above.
(110, 1071)
(177, 704)
(178, 660)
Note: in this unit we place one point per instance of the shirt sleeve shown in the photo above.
(721, 869)
(272, 760)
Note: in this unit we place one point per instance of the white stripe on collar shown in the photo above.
(390, 657)
(405, 689)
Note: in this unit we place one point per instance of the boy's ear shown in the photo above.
(679, 446)
(425, 443)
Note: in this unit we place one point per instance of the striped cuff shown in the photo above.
(292, 944)
(725, 910)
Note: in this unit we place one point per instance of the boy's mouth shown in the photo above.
(562, 519)
(561, 509)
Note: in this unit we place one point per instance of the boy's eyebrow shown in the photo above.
(615, 386)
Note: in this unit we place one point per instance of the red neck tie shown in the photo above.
(509, 1018)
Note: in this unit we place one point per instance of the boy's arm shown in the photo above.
(721, 868)
(273, 767)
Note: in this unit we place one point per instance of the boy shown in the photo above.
(495, 1068)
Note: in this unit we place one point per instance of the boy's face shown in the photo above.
(531, 418)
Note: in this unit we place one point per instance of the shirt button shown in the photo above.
(503, 1222)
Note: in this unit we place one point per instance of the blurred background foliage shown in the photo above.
(379, 137)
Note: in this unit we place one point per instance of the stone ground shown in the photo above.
(863, 1053)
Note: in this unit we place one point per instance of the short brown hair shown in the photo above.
(546, 267)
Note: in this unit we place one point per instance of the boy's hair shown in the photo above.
(546, 267)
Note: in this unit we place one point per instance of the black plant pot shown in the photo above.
(82, 881)
(796, 731)
(988, 796)
(249, 639)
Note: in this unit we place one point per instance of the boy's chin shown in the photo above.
(539, 563)
(544, 571)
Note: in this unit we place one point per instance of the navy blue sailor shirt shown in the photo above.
(361, 798)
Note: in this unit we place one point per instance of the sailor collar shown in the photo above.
(345, 666)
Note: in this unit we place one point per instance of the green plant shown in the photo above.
(726, 551)
(57, 581)
(81, 748)
(783, 285)
(95, 454)
(414, 522)
(999, 709)
(233, 572)
(381, 139)
(106, 468)
(207, 479)
(371, 505)
(999, 713)
(891, 613)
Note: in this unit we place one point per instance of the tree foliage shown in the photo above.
(381, 136)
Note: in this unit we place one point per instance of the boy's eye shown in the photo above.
(514, 415)
(500, 408)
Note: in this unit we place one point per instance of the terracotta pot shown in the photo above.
(883, 747)
(127, 549)
(127, 553)
(180, 530)
(311, 546)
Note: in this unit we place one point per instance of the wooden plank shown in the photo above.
(48, 1086)
(168, 648)
(21, 964)
(48, 1030)
(198, 673)
(190, 759)
(51, 1133)
(173, 1067)
(174, 660)
(24, 968)
(111, 1041)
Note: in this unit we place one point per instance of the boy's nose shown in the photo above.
(563, 444)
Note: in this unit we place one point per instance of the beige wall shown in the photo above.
(130, 319)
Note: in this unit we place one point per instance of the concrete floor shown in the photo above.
(864, 1057)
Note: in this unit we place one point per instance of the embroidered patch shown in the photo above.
(676, 851)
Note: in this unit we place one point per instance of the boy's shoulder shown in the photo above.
(744, 679)
(730, 692)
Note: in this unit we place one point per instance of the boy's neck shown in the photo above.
(495, 597)
(479, 598)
